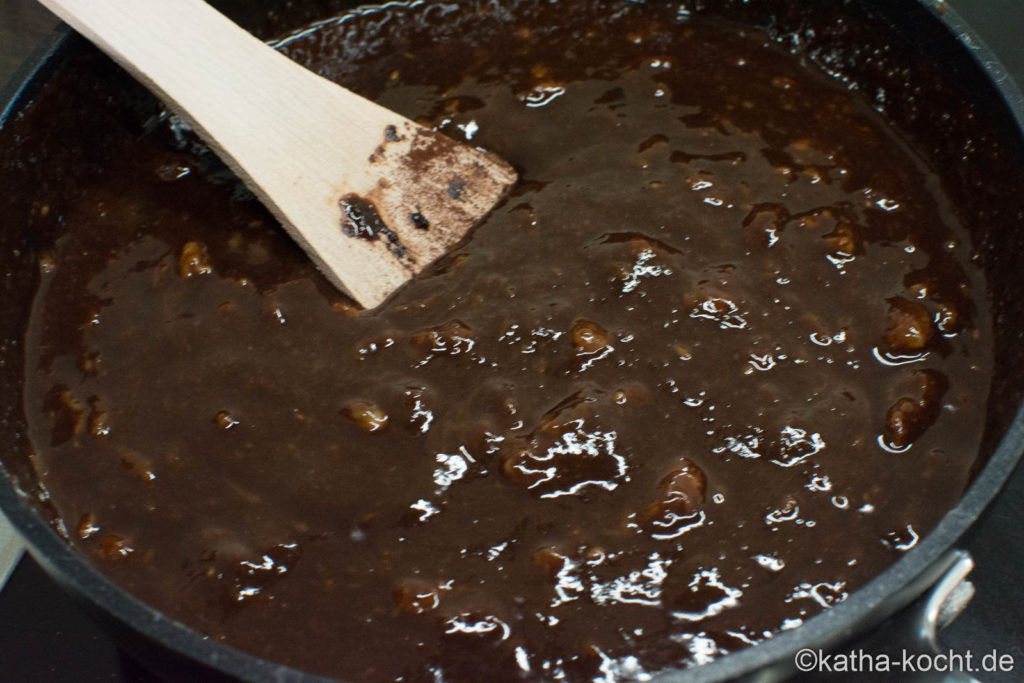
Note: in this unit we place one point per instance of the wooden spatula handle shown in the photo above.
(225, 82)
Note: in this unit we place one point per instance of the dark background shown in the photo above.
(44, 636)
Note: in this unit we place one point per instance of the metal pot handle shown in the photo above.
(915, 631)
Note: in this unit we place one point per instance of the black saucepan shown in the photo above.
(916, 59)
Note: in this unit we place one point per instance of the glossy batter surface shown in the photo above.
(715, 363)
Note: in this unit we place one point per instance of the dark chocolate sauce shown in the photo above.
(718, 360)
(456, 189)
(361, 220)
(419, 221)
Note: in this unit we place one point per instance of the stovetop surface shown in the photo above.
(44, 636)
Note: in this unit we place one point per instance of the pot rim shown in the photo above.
(773, 657)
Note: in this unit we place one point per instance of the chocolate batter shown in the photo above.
(715, 364)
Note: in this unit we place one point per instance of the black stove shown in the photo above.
(44, 636)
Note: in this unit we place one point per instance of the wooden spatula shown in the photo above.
(371, 196)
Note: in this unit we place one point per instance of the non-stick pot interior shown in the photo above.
(904, 60)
